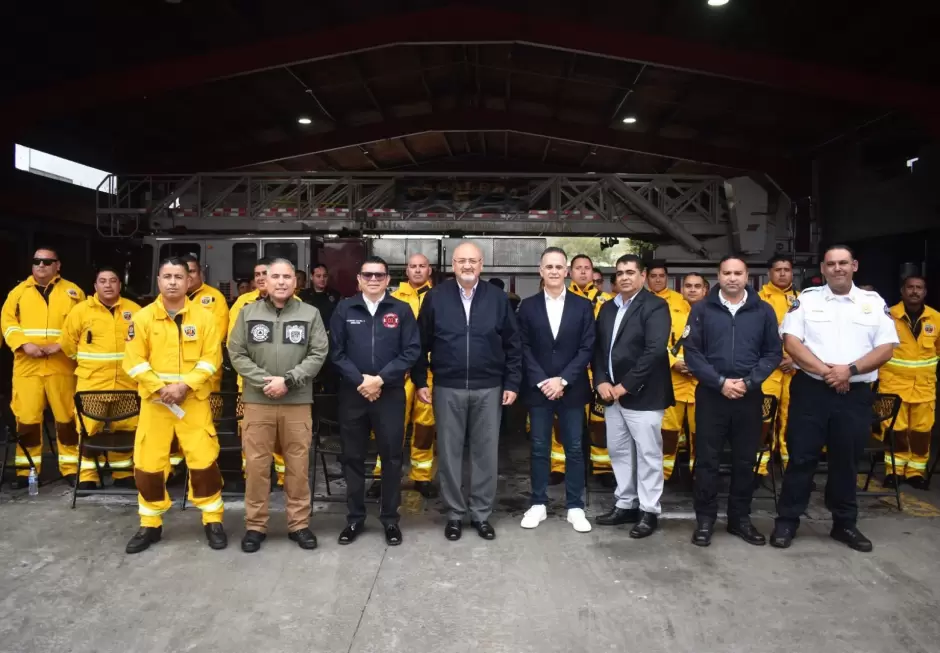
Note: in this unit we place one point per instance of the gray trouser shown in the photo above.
(635, 445)
(475, 414)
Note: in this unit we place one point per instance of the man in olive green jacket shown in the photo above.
(277, 346)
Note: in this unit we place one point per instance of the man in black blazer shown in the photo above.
(631, 373)
(557, 329)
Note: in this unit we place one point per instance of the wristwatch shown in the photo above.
(288, 382)
(853, 369)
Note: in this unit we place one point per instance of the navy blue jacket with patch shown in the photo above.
(720, 346)
(386, 345)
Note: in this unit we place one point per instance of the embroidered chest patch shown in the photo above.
(126, 315)
(929, 329)
(260, 332)
(390, 320)
(206, 300)
(189, 331)
(295, 333)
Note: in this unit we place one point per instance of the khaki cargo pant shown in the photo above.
(262, 426)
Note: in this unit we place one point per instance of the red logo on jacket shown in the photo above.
(390, 320)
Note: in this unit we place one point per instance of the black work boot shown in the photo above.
(143, 539)
(252, 540)
(215, 534)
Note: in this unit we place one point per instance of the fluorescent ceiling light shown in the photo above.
(717, 3)
(629, 120)
(304, 121)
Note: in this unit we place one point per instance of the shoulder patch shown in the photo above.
(208, 299)
(71, 292)
(686, 331)
(795, 304)
(887, 311)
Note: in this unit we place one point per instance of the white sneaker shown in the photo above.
(534, 516)
(577, 519)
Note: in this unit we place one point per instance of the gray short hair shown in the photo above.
(283, 261)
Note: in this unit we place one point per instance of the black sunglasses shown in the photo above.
(378, 276)
(45, 261)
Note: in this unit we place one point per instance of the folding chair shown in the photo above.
(227, 412)
(768, 445)
(12, 438)
(885, 411)
(327, 442)
(107, 407)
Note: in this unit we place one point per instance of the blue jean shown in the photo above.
(571, 427)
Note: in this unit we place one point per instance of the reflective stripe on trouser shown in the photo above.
(423, 434)
(674, 434)
(557, 457)
(121, 463)
(600, 459)
(912, 434)
(777, 385)
(196, 434)
(31, 395)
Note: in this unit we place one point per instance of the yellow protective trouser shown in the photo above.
(196, 434)
(597, 429)
(777, 385)
(423, 434)
(31, 395)
(558, 450)
(674, 431)
(912, 433)
(121, 463)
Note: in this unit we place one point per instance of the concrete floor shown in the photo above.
(66, 584)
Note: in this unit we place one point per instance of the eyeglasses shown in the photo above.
(466, 261)
(45, 261)
(377, 276)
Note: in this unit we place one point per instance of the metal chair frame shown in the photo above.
(11, 439)
(227, 412)
(107, 407)
(325, 433)
(884, 409)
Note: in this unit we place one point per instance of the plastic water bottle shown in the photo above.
(33, 482)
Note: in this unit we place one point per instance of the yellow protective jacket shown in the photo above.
(780, 301)
(675, 300)
(683, 385)
(94, 336)
(27, 317)
(414, 297)
(213, 301)
(162, 350)
(593, 294)
(912, 371)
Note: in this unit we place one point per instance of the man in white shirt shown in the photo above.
(557, 329)
(838, 335)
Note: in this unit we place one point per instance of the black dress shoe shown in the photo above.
(618, 516)
(484, 529)
(125, 483)
(744, 529)
(70, 479)
(645, 527)
(917, 482)
(851, 537)
(304, 537)
(556, 478)
(608, 481)
(351, 532)
(143, 539)
(87, 485)
(20, 483)
(890, 481)
(252, 540)
(782, 536)
(215, 534)
(426, 489)
(375, 490)
(453, 530)
(392, 535)
(702, 535)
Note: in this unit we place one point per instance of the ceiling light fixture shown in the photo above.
(717, 3)
(304, 121)
(629, 120)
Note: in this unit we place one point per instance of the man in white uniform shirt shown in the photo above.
(838, 335)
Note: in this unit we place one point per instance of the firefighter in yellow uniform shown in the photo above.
(31, 321)
(94, 336)
(211, 300)
(912, 374)
(173, 352)
(582, 284)
(781, 295)
(417, 413)
(682, 414)
(260, 292)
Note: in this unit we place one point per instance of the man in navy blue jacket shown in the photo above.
(470, 332)
(557, 329)
(375, 342)
(731, 347)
